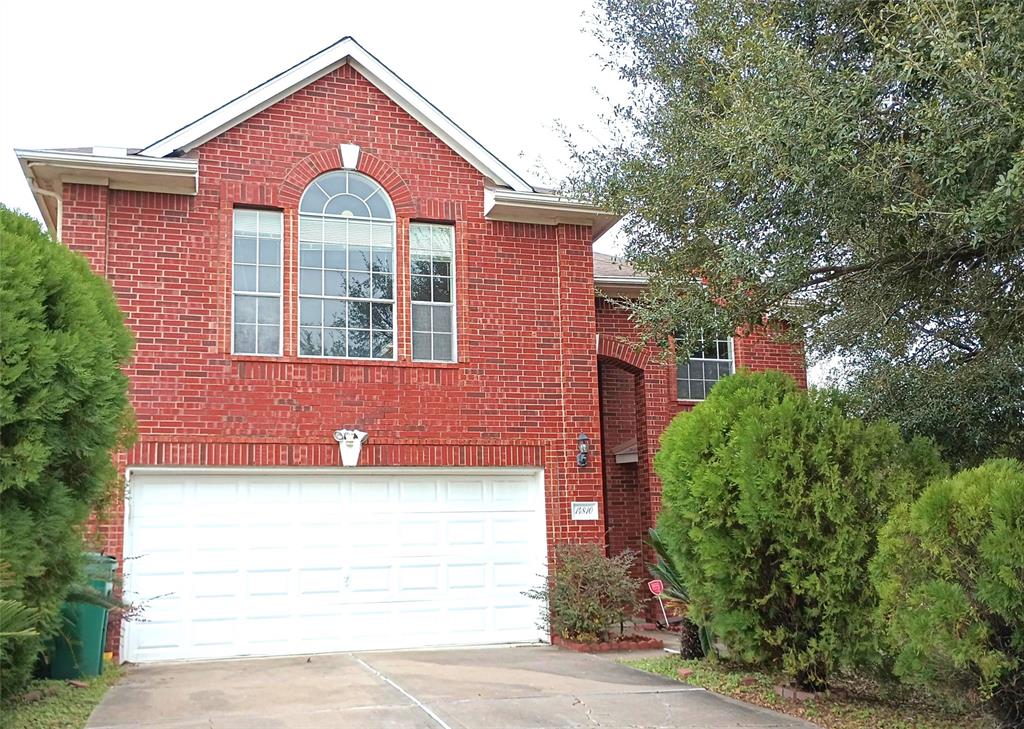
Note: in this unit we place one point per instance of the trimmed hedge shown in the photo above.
(950, 575)
(772, 502)
(63, 409)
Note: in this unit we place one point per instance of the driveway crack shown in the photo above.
(588, 710)
(422, 706)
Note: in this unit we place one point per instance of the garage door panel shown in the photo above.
(216, 494)
(207, 583)
(262, 582)
(210, 632)
(512, 530)
(371, 491)
(364, 579)
(159, 493)
(465, 491)
(375, 532)
(166, 636)
(467, 576)
(468, 532)
(268, 564)
(321, 581)
(418, 493)
(517, 576)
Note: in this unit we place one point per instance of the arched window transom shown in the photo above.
(346, 268)
(347, 195)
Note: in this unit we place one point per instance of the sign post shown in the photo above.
(657, 587)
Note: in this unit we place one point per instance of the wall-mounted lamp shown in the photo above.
(583, 450)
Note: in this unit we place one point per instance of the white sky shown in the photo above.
(127, 73)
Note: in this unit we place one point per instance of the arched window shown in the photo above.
(346, 268)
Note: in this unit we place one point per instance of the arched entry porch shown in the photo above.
(626, 448)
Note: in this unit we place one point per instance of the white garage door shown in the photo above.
(238, 564)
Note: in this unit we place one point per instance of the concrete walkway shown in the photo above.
(503, 688)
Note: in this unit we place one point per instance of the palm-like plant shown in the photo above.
(17, 620)
(695, 641)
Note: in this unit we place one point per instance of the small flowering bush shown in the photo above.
(588, 595)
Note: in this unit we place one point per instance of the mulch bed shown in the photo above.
(624, 643)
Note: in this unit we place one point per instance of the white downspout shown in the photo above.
(60, 203)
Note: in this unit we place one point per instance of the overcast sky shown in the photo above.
(124, 74)
(127, 73)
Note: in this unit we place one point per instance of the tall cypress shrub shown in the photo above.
(772, 503)
(63, 410)
(950, 575)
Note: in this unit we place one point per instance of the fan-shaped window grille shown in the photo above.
(346, 268)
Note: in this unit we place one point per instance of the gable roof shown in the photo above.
(345, 51)
(164, 167)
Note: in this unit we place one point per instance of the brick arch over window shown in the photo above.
(623, 354)
(327, 160)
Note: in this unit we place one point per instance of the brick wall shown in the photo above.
(526, 380)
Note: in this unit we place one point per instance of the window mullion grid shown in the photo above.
(370, 328)
(259, 238)
(432, 305)
(685, 383)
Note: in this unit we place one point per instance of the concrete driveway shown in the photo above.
(503, 688)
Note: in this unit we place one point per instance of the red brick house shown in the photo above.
(329, 252)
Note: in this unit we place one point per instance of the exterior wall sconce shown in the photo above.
(582, 450)
(350, 442)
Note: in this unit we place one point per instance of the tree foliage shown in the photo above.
(772, 502)
(950, 575)
(63, 409)
(852, 166)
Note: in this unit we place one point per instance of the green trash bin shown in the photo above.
(78, 647)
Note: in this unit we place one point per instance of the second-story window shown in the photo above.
(256, 282)
(709, 363)
(432, 253)
(346, 268)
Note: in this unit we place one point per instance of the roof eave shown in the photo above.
(49, 170)
(545, 209)
(623, 287)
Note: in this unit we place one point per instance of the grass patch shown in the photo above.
(62, 707)
(854, 702)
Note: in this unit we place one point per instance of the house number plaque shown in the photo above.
(584, 511)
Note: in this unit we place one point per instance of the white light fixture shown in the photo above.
(349, 156)
(350, 442)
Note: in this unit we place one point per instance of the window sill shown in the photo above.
(343, 361)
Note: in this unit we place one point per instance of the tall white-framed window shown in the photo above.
(709, 362)
(346, 268)
(256, 282)
(432, 268)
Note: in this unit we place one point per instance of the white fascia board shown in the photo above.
(347, 50)
(619, 287)
(545, 209)
(621, 280)
(48, 169)
(175, 166)
(49, 216)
